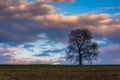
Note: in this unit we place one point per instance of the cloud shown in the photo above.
(4, 59)
(18, 19)
(26, 21)
(51, 52)
(22, 60)
(41, 51)
(110, 54)
(59, 1)
(105, 9)
(23, 22)
(24, 10)
(112, 47)
(11, 37)
(8, 49)
(116, 16)
(6, 52)
(55, 1)
(43, 54)
(112, 8)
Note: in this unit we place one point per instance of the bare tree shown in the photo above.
(81, 47)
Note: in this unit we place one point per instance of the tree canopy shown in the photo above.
(81, 47)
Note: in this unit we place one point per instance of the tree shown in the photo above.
(81, 47)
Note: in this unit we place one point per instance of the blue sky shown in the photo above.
(86, 6)
(35, 31)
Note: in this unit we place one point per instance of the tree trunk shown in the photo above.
(90, 62)
(80, 59)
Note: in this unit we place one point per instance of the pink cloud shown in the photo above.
(41, 60)
(112, 47)
(39, 16)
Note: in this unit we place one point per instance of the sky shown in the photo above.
(35, 31)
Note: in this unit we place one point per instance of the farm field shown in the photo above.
(59, 72)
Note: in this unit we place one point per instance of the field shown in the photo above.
(59, 72)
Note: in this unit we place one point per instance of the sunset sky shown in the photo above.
(35, 31)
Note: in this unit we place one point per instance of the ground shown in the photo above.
(59, 72)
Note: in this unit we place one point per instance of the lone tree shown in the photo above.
(81, 47)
